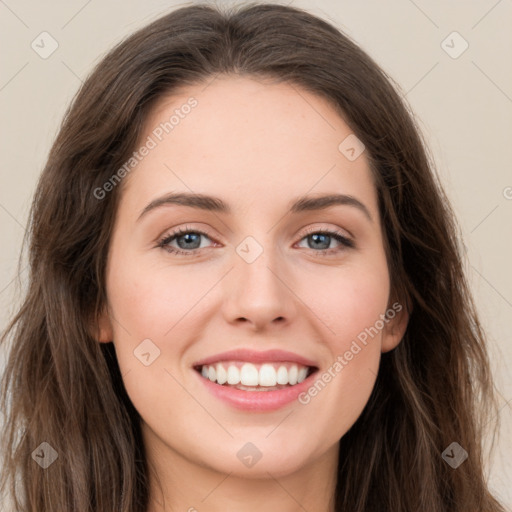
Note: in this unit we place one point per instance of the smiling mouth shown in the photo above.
(245, 376)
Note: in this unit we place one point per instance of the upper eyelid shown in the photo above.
(181, 231)
(329, 230)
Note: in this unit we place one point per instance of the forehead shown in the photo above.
(248, 140)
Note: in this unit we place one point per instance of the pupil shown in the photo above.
(187, 238)
(315, 239)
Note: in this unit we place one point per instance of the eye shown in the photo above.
(187, 240)
(321, 240)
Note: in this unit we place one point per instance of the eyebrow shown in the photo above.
(215, 204)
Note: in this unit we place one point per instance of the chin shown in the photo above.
(259, 457)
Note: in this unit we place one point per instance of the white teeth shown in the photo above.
(249, 375)
(266, 375)
(233, 375)
(282, 375)
(222, 374)
(303, 372)
(293, 373)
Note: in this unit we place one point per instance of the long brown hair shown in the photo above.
(63, 387)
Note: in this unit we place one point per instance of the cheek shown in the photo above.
(348, 300)
(352, 309)
(146, 303)
(162, 305)
(148, 300)
(358, 309)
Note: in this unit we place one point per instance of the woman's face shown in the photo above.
(270, 288)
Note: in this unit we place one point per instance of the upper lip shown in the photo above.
(253, 356)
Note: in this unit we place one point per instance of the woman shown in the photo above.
(256, 369)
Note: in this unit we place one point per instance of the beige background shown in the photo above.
(464, 104)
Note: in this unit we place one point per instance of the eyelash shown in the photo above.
(346, 242)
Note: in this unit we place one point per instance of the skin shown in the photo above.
(257, 145)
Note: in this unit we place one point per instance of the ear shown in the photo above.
(394, 329)
(104, 331)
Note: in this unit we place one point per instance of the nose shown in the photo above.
(258, 293)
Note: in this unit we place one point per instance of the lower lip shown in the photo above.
(256, 400)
